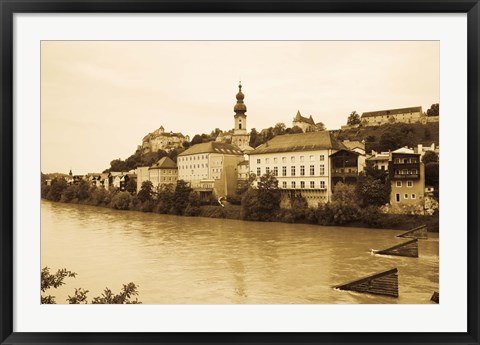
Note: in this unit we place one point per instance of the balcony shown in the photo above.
(406, 176)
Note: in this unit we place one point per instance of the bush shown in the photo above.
(121, 201)
(212, 211)
(234, 199)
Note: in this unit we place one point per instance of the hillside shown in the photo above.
(392, 136)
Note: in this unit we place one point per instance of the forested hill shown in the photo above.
(393, 136)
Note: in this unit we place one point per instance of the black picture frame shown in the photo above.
(10, 7)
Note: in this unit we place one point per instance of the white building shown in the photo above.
(402, 115)
(210, 164)
(300, 162)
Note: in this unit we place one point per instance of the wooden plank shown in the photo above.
(435, 297)
(383, 283)
(418, 232)
(409, 248)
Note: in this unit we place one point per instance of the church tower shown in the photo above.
(240, 137)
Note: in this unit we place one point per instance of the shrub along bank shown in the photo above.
(260, 204)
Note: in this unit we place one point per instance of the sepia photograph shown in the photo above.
(240, 172)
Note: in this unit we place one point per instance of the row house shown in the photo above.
(163, 172)
(210, 168)
(346, 165)
(300, 162)
(407, 177)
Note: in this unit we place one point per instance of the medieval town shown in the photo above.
(237, 208)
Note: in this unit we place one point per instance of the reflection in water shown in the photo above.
(201, 260)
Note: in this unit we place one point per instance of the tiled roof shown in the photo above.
(212, 147)
(392, 111)
(378, 158)
(354, 144)
(309, 141)
(164, 163)
(338, 153)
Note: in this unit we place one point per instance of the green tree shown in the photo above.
(165, 202)
(353, 118)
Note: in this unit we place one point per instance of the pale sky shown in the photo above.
(99, 99)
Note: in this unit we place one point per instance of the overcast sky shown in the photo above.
(99, 99)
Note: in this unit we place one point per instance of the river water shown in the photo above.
(183, 260)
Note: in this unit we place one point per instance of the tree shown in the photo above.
(430, 157)
(56, 189)
(165, 201)
(181, 197)
(263, 202)
(321, 126)
(118, 165)
(197, 139)
(253, 137)
(121, 201)
(434, 110)
(372, 191)
(55, 280)
(353, 118)
(146, 191)
(432, 174)
(131, 186)
(279, 129)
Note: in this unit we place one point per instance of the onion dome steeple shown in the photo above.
(240, 108)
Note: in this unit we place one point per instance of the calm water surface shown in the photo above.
(209, 261)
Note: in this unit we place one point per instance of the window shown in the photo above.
(292, 159)
(302, 184)
(284, 184)
(258, 160)
(414, 171)
(322, 184)
(284, 159)
(267, 170)
(293, 184)
(397, 197)
(302, 170)
(292, 171)
(410, 184)
(312, 184)
(397, 160)
(322, 157)
(312, 170)
(267, 160)
(302, 158)
(406, 196)
(322, 170)
(275, 160)
(259, 172)
(399, 183)
(404, 171)
(275, 171)
(414, 196)
(284, 171)
(312, 158)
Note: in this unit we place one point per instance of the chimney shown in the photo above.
(420, 148)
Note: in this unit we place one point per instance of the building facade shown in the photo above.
(161, 173)
(161, 140)
(305, 123)
(407, 178)
(300, 162)
(345, 165)
(401, 115)
(212, 164)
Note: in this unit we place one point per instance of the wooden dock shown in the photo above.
(409, 248)
(418, 232)
(384, 283)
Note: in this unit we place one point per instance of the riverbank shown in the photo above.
(386, 221)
